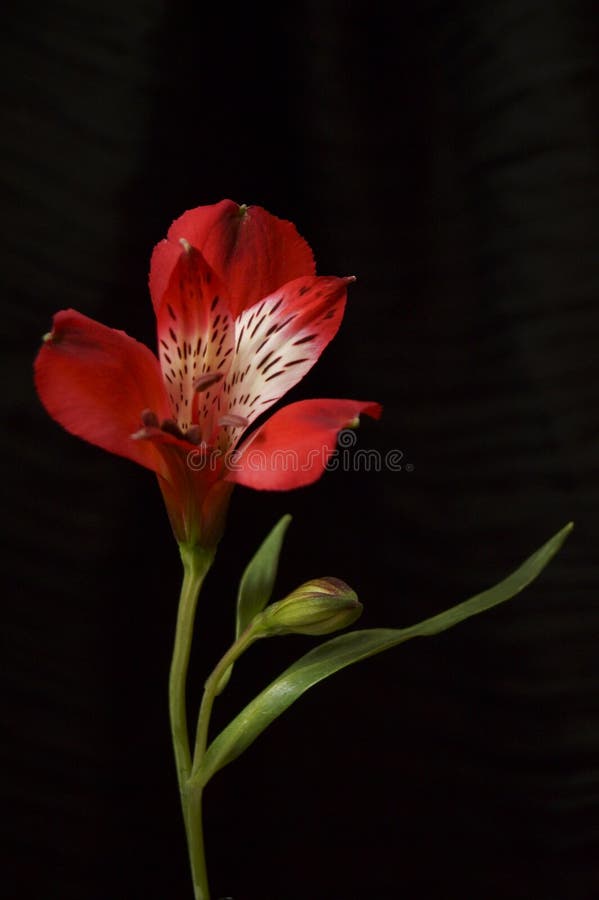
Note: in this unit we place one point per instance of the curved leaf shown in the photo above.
(257, 583)
(341, 651)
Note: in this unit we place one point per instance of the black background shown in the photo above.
(447, 154)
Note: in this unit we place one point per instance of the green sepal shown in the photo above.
(257, 583)
(349, 648)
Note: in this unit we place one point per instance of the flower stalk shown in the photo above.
(196, 564)
(211, 690)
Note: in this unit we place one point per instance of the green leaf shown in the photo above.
(341, 651)
(258, 580)
(257, 583)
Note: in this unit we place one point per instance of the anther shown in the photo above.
(171, 427)
(185, 244)
(149, 419)
(235, 421)
(194, 434)
(203, 382)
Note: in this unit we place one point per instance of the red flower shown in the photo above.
(241, 318)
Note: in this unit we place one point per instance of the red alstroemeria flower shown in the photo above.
(241, 318)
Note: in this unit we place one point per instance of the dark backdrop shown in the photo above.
(447, 154)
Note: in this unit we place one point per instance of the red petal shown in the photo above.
(293, 447)
(278, 340)
(96, 382)
(252, 251)
(196, 339)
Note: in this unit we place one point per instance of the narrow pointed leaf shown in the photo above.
(257, 583)
(341, 651)
(258, 580)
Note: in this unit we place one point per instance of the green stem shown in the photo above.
(248, 637)
(194, 784)
(196, 563)
(192, 806)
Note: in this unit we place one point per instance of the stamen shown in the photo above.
(194, 434)
(203, 382)
(149, 419)
(185, 244)
(171, 427)
(235, 421)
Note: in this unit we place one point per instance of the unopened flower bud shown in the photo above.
(317, 607)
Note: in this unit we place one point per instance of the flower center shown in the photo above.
(192, 433)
